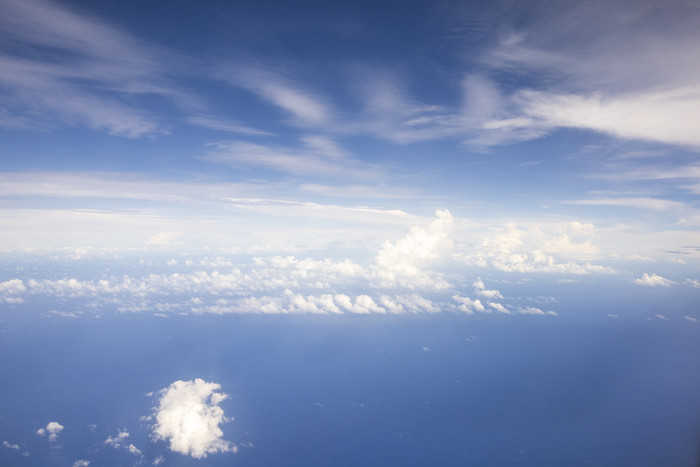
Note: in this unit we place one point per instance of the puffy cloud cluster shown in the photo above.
(188, 416)
(653, 280)
(396, 281)
(51, 430)
(469, 305)
(514, 250)
(116, 441)
(289, 302)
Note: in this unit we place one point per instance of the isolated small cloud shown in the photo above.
(10, 446)
(116, 441)
(163, 238)
(691, 319)
(653, 280)
(134, 450)
(693, 282)
(81, 463)
(51, 430)
(188, 417)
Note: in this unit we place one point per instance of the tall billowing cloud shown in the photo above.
(188, 416)
(404, 263)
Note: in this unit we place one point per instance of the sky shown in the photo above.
(499, 159)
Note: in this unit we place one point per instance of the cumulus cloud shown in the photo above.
(10, 446)
(81, 463)
(511, 249)
(480, 289)
(51, 430)
(188, 416)
(653, 280)
(404, 263)
(116, 441)
(134, 450)
(468, 305)
(499, 307)
(531, 310)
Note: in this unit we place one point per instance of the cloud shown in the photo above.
(99, 65)
(639, 203)
(163, 238)
(306, 108)
(480, 289)
(511, 249)
(316, 156)
(599, 66)
(188, 416)
(116, 441)
(134, 450)
(468, 305)
(668, 116)
(51, 430)
(81, 463)
(10, 446)
(404, 262)
(653, 280)
(531, 310)
(499, 307)
(691, 319)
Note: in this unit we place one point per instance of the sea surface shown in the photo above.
(442, 389)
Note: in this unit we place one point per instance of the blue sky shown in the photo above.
(403, 148)
(496, 159)
(122, 122)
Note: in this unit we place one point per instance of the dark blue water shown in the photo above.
(442, 390)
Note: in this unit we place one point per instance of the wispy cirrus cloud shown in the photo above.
(317, 156)
(80, 81)
(307, 108)
(655, 204)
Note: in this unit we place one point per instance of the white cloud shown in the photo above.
(188, 416)
(653, 280)
(316, 156)
(655, 204)
(499, 307)
(117, 440)
(511, 249)
(159, 460)
(51, 430)
(668, 116)
(306, 107)
(691, 319)
(480, 289)
(134, 450)
(81, 463)
(468, 305)
(404, 262)
(531, 310)
(163, 238)
(109, 61)
(693, 282)
(10, 446)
